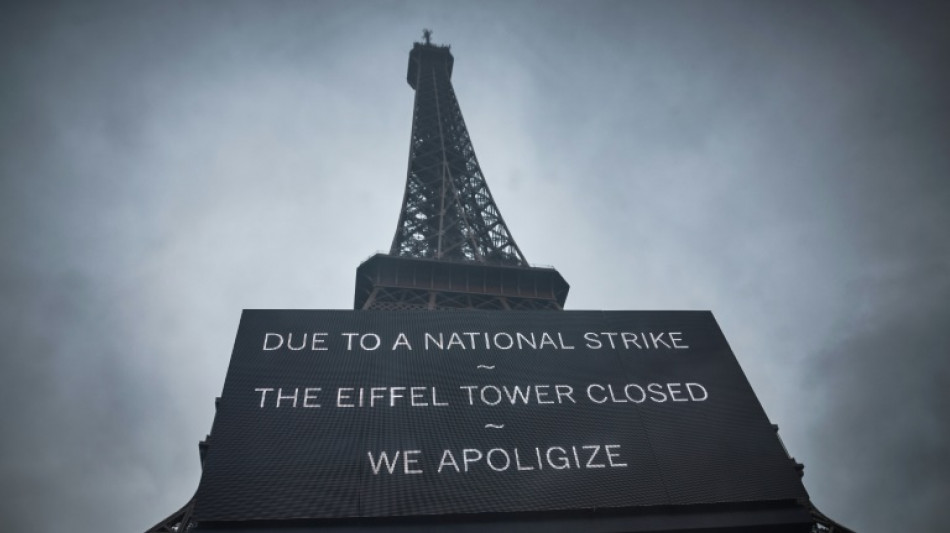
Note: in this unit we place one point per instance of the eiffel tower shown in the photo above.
(453, 250)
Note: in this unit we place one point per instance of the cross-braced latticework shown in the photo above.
(389, 283)
(395, 299)
(178, 522)
(448, 213)
(823, 524)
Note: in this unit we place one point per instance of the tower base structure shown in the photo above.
(780, 518)
(787, 517)
(179, 521)
(390, 283)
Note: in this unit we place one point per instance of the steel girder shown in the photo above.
(178, 522)
(448, 212)
(387, 282)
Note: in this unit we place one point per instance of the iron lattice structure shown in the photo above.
(452, 248)
(448, 213)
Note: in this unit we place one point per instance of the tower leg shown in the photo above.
(177, 522)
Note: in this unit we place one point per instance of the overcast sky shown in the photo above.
(165, 165)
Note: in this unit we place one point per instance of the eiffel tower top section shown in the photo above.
(452, 249)
(435, 56)
(448, 213)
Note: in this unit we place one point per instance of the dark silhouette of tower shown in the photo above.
(452, 248)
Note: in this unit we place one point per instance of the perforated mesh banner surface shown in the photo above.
(367, 414)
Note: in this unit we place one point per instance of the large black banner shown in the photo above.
(366, 414)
